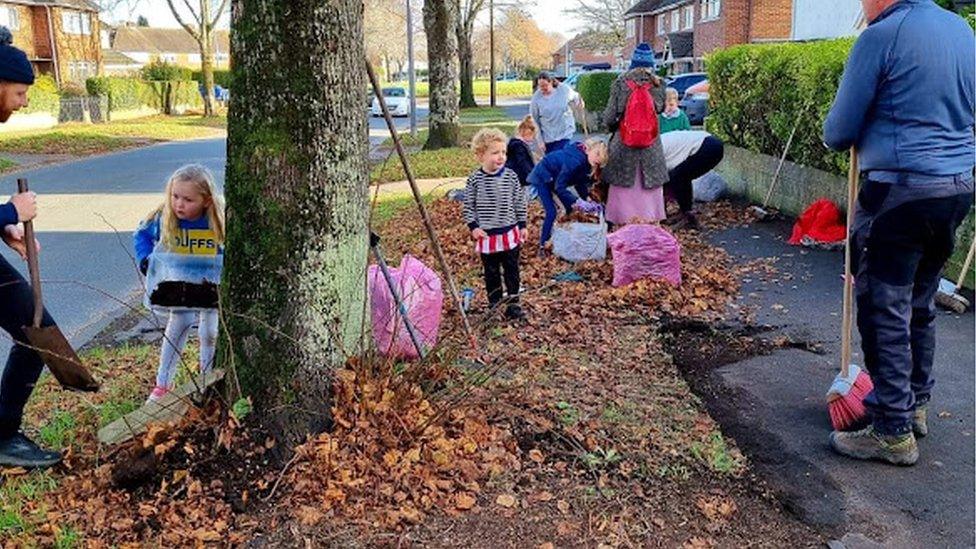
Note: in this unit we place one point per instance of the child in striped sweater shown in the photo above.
(495, 211)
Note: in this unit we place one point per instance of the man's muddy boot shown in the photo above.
(20, 451)
(920, 426)
(868, 444)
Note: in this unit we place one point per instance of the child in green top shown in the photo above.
(673, 118)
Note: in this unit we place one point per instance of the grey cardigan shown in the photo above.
(623, 161)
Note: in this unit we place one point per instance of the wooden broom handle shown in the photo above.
(847, 320)
(32, 266)
(966, 264)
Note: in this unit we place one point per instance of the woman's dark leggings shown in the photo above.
(24, 365)
(679, 179)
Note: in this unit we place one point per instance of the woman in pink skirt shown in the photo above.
(635, 175)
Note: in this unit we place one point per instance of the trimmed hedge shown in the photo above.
(222, 78)
(594, 88)
(123, 93)
(132, 93)
(759, 92)
(43, 96)
(162, 71)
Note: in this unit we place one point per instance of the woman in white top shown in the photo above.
(552, 109)
(688, 155)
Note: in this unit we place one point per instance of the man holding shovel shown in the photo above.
(24, 365)
(905, 104)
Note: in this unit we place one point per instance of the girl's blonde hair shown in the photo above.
(599, 147)
(485, 137)
(527, 124)
(203, 181)
(671, 92)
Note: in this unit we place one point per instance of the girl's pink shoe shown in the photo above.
(157, 393)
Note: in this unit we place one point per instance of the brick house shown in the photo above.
(682, 32)
(60, 37)
(579, 51)
(147, 44)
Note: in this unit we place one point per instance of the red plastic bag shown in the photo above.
(639, 128)
(821, 223)
(645, 251)
(420, 289)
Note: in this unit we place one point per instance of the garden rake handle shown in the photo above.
(32, 266)
(847, 320)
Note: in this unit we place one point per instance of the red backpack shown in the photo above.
(639, 128)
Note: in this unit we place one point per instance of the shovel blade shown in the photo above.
(60, 358)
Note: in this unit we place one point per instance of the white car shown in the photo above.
(397, 100)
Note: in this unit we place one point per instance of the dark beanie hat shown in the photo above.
(14, 66)
(643, 56)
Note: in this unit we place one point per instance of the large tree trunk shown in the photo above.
(440, 20)
(466, 57)
(297, 237)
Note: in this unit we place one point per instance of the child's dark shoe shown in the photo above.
(514, 312)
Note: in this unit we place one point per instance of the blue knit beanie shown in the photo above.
(642, 57)
(14, 66)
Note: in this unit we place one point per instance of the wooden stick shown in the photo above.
(32, 264)
(431, 234)
(966, 264)
(847, 321)
(782, 160)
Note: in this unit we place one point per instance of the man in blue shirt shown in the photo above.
(906, 105)
(24, 365)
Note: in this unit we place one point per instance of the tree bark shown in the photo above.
(296, 187)
(466, 58)
(206, 67)
(440, 20)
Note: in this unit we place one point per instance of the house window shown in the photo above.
(689, 12)
(675, 16)
(76, 22)
(79, 71)
(631, 28)
(10, 18)
(660, 24)
(710, 9)
(168, 57)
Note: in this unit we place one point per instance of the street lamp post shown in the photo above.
(412, 77)
(491, 48)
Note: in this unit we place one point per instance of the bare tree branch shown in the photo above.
(219, 12)
(179, 19)
(193, 13)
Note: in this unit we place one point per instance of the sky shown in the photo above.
(547, 13)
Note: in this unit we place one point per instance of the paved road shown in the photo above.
(774, 407)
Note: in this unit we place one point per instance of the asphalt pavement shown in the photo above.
(775, 408)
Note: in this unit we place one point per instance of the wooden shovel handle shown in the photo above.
(32, 266)
(847, 320)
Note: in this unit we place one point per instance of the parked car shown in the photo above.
(397, 101)
(695, 103)
(682, 82)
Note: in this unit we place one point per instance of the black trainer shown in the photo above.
(20, 451)
(514, 312)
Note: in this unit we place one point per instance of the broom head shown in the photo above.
(845, 398)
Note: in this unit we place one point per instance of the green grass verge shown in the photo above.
(7, 164)
(82, 139)
(62, 420)
(482, 88)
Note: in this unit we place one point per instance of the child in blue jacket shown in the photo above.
(575, 166)
(179, 247)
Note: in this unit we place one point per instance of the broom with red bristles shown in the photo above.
(845, 398)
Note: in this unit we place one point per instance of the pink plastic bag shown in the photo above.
(420, 289)
(644, 251)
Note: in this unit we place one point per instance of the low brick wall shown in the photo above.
(749, 174)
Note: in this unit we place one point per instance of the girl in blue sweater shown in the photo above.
(575, 166)
(179, 247)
